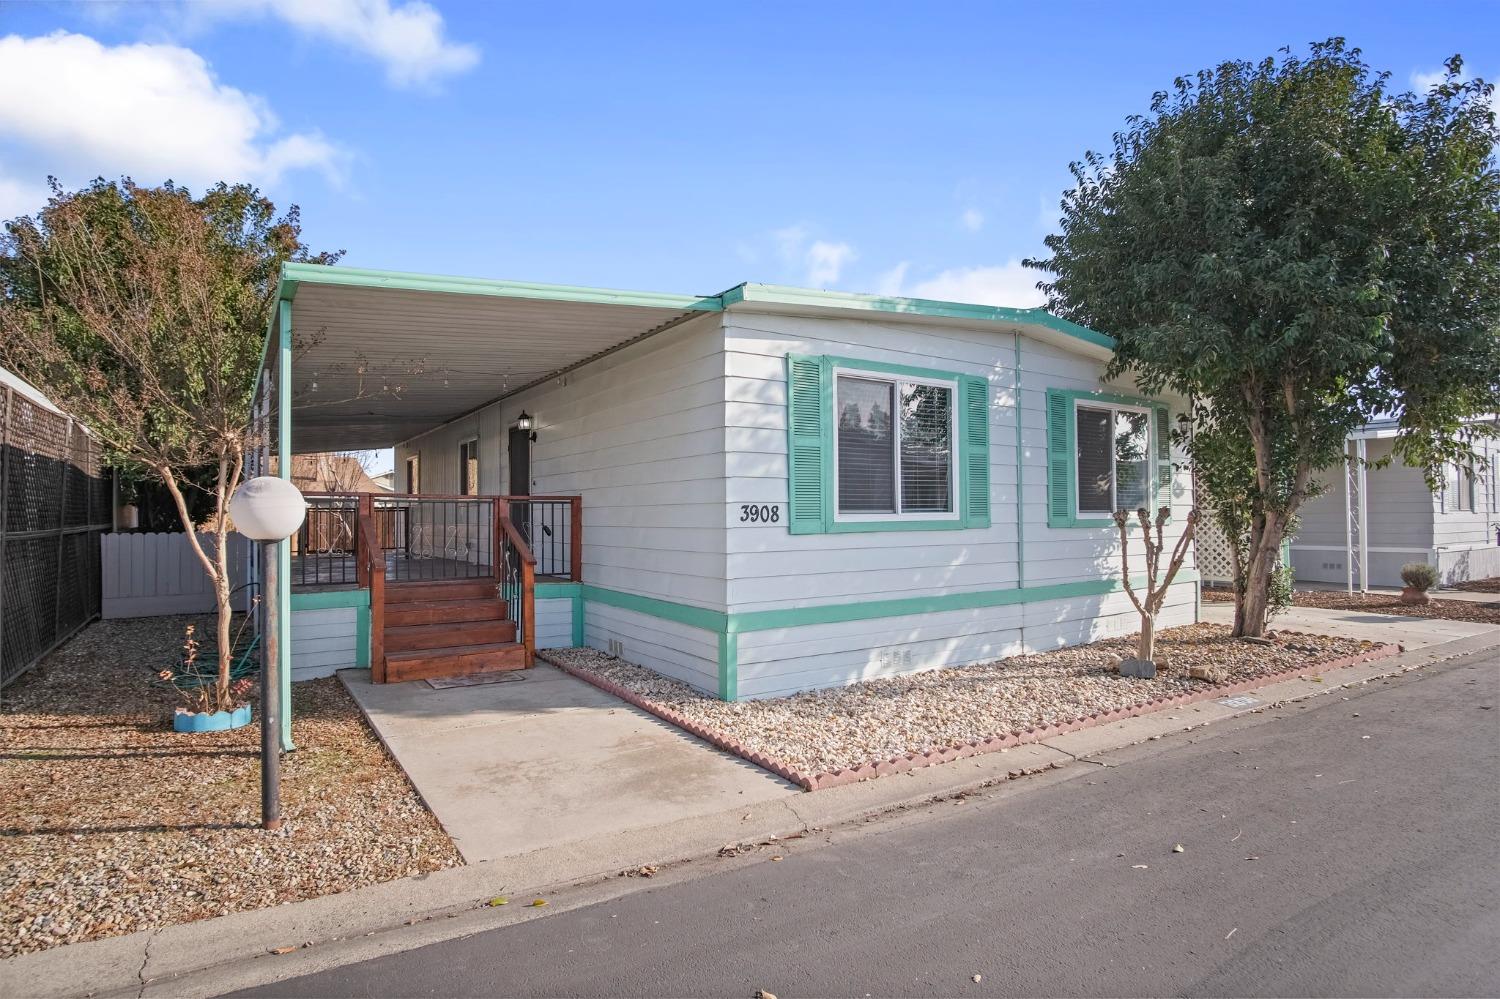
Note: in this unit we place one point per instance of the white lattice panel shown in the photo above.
(1211, 549)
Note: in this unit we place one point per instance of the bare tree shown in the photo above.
(1158, 583)
(143, 311)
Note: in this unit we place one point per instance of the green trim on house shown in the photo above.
(1062, 453)
(283, 595)
(729, 666)
(577, 619)
(812, 487)
(556, 591)
(324, 599)
(741, 622)
(771, 294)
(795, 617)
(362, 636)
(293, 275)
(667, 610)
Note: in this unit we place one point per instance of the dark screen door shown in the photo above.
(519, 447)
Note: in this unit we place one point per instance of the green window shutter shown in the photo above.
(1060, 459)
(809, 447)
(1163, 457)
(974, 428)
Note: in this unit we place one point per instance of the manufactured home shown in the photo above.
(1378, 514)
(756, 492)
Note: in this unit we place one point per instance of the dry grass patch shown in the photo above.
(1490, 585)
(874, 720)
(113, 823)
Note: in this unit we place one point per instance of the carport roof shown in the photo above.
(381, 356)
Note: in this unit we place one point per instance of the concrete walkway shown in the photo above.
(546, 759)
(1411, 632)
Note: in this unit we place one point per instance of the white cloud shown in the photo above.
(153, 111)
(972, 219)
(19, 198)
(1422, 82)
(408, 39)
(825, 261)
(891, 281)
(1009, 284)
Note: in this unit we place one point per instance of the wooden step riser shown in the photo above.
(441, 636)
(401, 615)
(469, 589)
(466, 664)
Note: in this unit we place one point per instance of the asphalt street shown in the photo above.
(1349, 847)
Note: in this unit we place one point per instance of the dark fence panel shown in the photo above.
(54, 505)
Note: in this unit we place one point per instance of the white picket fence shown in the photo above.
(147, 574)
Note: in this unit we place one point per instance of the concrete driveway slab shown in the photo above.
(509, 768)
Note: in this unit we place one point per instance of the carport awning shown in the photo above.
(378, 356)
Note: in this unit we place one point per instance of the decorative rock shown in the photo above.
(1144, 669)
(1209, 674)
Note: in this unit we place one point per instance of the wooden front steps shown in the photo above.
(447, 629)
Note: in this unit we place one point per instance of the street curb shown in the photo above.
(823, 779)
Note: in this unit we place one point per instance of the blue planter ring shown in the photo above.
(211, 721)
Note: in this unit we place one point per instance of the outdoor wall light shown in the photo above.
(525, 422)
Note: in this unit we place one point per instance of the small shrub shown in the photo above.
(1419, 576)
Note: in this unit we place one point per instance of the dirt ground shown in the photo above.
(113, 823)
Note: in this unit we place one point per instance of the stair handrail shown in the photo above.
(372, 569)
(526, 617)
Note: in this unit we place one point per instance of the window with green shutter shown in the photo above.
(1105, 453)
(882, 447)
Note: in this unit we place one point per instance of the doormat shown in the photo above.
(475, 680)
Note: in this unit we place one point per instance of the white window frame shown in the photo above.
(896, 379)
(1097, 404)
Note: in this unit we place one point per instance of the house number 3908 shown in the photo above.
(765, 513)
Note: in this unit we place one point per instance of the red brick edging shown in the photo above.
(912, 761)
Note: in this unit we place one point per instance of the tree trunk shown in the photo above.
(226, 613)
(1146, 648)
(1251, 610)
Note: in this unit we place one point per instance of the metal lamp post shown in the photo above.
(268, 510)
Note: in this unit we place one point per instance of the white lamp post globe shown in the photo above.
(266, 508)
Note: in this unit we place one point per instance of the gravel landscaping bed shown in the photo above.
(876, 720)
(1491, 585)
(114, 823)
(1385, 603)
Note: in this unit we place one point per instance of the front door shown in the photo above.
(519, 453)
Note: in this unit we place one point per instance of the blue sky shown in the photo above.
(903, 148)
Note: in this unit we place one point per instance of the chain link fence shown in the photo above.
(55, 502)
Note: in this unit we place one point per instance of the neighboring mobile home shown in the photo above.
(1372, 521)
(759, 492)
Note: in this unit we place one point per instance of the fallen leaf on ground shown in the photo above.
(499, 900)
(282, 950)
(538, 903)
(1177, 848)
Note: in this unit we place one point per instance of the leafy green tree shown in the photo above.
(143, 311)
(1298, 248)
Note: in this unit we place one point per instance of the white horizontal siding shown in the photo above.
(323, 641)
(639, 435)
(554, 623)
(775, 663)
(769, 568)
(676, 650)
